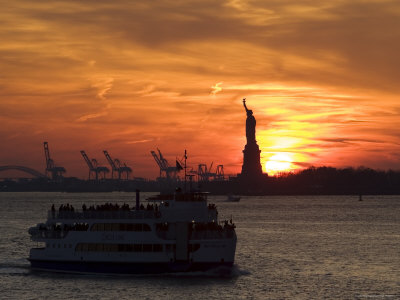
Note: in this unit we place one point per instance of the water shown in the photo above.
(308, 247)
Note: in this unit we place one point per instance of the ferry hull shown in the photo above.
(124, 267)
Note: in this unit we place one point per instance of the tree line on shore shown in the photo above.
(329, 180)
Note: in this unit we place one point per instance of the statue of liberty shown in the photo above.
(250, 124)
(252, 176)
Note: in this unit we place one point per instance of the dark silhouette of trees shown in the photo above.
(328, 180)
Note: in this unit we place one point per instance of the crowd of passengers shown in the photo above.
(212, 206)
(105, 207)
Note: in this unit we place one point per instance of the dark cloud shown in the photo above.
(349, 140)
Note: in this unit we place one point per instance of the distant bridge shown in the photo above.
(23, 169)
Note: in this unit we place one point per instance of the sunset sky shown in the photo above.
(322, 78)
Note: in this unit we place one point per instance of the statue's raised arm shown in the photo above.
(244, 104)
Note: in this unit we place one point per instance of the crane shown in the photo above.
(55, 171)
(165, 168)
(219, 173)
(94, 167)
(204, 173)
(116, 166)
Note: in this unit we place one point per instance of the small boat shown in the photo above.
(233, 198)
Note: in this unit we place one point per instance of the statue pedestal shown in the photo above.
(251, 168)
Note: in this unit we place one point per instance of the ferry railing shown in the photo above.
(198, 234)
(49, 233)
(103, 214)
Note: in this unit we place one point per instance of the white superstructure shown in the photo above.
(180, 234)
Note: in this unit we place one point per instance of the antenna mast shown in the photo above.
(185, 169)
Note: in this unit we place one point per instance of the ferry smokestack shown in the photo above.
(137, 199)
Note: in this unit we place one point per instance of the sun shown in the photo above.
(280, 162)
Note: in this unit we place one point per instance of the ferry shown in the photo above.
(178, 234)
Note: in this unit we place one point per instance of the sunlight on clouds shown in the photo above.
(103, 86)
(274, 141)
(138, 141)
(267, 87)
(91, 116)
(252, 14)
(216, 88)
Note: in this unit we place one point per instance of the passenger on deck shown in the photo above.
(53, 211)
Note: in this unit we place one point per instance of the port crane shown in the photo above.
(56, 172)
(219, 173)
(116, 166)
(204, 173)
(165, 168)
(94, 167)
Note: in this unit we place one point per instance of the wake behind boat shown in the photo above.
(177, 235)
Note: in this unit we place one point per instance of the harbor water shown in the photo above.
(289, 247)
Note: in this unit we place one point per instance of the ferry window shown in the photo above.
(99, 247)
(98, 227)
(70, 245)
(65, 245)
(59, 245)
(107, 247)
(84, 247)
(137, 247)
(114, 247)
(120, 227)
(121, 248)
(78, 247)
(167, 247)
(147, 247)
(157, 248)
(92, 247)
(129, 247)
(194, 247)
